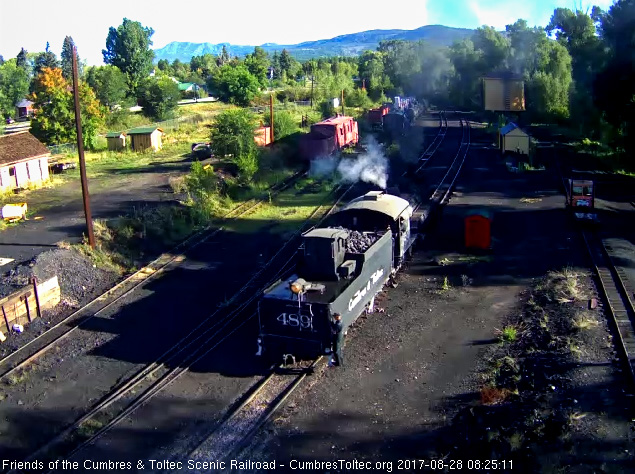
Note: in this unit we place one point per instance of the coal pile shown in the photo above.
(359, 242)
(78, 276)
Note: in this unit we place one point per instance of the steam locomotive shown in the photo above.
(339, 270)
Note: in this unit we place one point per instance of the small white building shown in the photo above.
(23, 160)
(513, 139)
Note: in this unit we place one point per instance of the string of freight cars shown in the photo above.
(39, 346)
(152, 379)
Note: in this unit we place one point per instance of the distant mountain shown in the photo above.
(345, 45)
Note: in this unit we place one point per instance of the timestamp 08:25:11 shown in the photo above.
(455, 464)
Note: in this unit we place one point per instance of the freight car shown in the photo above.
(395, 123)
(329, 136)
(375, 116)
(339, 270)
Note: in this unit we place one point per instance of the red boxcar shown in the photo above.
(375, 116)
(329, 136)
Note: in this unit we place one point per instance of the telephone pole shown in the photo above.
(271, 115)
(80, 150)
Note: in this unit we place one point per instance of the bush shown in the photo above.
(159, 97)
(247, 165)
(358, 98)
(326, 108)
(284, 124)
(233, 133)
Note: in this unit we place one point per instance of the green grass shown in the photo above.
(509, 334)
(286, 211)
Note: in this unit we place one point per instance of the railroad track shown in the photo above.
(235, 430)
(618, 301)
(443, 192)
(175, 362)
(619, 305)
(432, 147)
(39, 346)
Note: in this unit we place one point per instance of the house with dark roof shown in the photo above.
(144, 138)
(24, 108)
(512, 138)
(23, 160)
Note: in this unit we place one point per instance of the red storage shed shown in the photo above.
(478, 230)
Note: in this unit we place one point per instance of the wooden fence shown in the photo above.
(25, 305)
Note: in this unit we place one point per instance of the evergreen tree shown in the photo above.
(67, 59)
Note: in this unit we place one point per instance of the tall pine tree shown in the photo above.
(67, 59)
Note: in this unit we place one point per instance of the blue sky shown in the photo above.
(247, 22)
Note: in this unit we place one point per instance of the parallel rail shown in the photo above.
(619, 306)
(40, 345)
(237, 428)
(199, 343)
(434, 145)
(618, 301)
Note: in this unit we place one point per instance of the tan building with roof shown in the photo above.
(503, 92)
(23, 160)
(143, 138)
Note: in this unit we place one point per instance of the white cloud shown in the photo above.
(499, 13)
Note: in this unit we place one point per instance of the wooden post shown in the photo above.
(271, 116)
(26, 304)
(37, 297)
(342, 101)
(80, 151)
(6, 320)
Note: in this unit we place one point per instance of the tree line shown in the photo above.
(578, 70)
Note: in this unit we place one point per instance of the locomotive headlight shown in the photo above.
(297, 286)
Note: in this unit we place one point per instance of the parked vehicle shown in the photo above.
(201, 150)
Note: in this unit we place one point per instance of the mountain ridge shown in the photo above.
(351, 44)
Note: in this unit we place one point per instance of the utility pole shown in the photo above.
(342, 101)
(312, 82)
(271, 115)
(80, 150)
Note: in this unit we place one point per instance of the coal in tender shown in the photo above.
(359, 242)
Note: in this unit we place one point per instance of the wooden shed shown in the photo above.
(23, 160)
(512, 139)
(262, 136)
(504, 92)
(144, 138)
(116, 140)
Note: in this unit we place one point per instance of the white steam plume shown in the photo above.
(370, 167)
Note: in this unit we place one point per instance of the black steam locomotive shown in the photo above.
(339, 270)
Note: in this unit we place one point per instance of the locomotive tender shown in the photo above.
(340, 269)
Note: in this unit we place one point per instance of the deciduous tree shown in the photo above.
(14, 85)
(54, 120)
(233, 134)
(109, 84)
(128, 48)
(235, 85)
(159, 97)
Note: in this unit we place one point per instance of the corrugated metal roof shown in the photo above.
(183, 86)
(143, 130)
(378, 201)
(115, 134)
